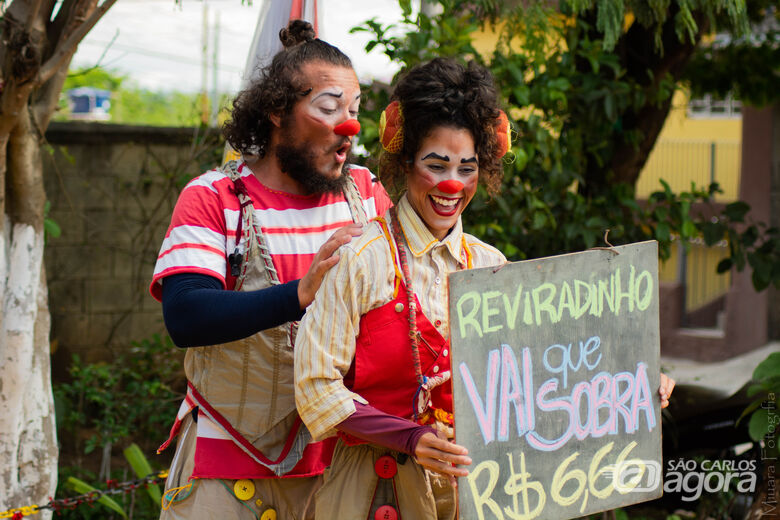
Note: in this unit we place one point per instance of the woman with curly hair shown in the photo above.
(372, 358)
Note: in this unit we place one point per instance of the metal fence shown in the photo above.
(681, 162)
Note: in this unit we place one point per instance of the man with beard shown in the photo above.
(245, 252)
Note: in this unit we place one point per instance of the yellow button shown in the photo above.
(258, 502)
(399, 307)
(269, 515)
(244, 489)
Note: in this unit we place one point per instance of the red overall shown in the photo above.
(382, 370)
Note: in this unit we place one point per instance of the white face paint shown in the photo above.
(334, 97)
(448, 153)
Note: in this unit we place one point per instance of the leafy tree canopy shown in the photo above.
(587, 88)
(744, 65)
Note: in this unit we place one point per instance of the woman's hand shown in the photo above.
(665, 391)
(437, 454)
(324, 260)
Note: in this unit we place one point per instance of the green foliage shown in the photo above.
(50, 227)
(138, 507)
(748, 67)
(132, 105)
(751, 243)
(96, 77)
(764, 421)
(135, 457)
(81, 487)
(133, 397)
(574, 95)
(138, 106)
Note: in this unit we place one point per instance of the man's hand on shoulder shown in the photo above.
(324, 260)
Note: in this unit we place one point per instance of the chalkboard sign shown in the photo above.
(555, 380)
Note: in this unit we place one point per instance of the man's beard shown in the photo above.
(298, 163)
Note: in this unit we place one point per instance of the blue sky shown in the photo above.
(157, 43)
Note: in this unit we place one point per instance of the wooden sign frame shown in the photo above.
(578, 334)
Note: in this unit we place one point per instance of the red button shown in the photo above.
(385, 467)
(437, 323)
(386, 513)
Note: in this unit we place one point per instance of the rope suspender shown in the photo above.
(355, 201)
(248, 229)
(421, 404)
(246, 223)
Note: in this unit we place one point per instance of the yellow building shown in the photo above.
(700, 143)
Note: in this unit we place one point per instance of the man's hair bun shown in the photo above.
(297, 32)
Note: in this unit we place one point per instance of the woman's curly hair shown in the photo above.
(278, 87)
(442, 92)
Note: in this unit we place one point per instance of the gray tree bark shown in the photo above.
(35, 52)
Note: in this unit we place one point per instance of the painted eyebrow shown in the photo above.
(332, 94)
(470, 160)
(434, 155)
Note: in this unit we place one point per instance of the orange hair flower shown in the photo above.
(391, 128)
(503, 134)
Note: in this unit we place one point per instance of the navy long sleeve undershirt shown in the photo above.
(199, 312)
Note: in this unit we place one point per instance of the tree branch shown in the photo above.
(46, 99)
(66, 49)
(32, 15)
(60, 22)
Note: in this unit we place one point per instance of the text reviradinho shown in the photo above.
(487, 312)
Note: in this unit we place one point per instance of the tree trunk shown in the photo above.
(638, 54)
(28, 449)
(39, 40)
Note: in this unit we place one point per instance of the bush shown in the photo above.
(108, 405)
(131, 399)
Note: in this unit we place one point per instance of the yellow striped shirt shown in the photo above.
(364, 280)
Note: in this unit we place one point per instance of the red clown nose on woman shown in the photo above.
(450, 186)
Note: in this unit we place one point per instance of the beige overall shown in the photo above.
(350, 482)
(250, 383)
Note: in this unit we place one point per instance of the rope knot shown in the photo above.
(240, 188)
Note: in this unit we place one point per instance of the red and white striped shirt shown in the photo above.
(201, 235)
(203, 227)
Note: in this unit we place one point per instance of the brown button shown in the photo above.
(386, 513)
(385, 467)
